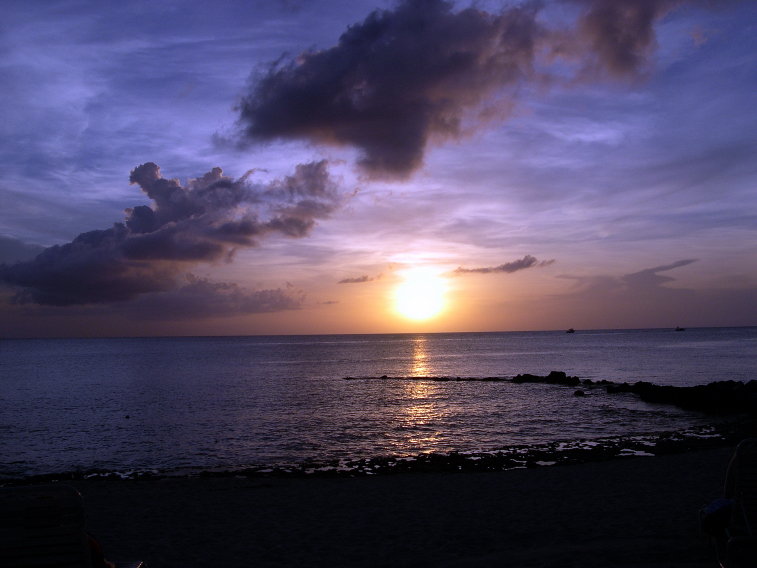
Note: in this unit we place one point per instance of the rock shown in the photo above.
(554, 378)
(622, 387)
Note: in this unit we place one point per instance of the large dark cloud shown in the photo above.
(393, 81)
(508, 268)
(425, 71)
(205, 220)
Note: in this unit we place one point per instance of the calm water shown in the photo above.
(122, 404)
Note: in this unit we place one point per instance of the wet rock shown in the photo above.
(613, 388)
(554, 378)
(721, 397)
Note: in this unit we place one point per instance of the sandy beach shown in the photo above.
(627, 512)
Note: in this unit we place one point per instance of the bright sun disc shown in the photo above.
(421, 295)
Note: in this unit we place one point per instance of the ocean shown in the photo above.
(188, 404)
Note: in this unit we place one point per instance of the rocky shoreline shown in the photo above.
(717, 397)
(560, 453)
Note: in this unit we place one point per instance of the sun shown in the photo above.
(421, 295)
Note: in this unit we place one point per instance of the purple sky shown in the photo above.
(583, 163)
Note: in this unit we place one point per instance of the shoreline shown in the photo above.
(558, 453)
(633, 512)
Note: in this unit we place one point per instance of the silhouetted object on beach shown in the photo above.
(43, 526)
(736, 543)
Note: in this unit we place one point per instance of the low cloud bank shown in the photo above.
(200, 298)
(206, 220)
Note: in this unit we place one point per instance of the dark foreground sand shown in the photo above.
(627, 512)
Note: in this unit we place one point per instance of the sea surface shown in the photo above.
(171, 404)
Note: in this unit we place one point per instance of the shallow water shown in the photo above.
(121, 404)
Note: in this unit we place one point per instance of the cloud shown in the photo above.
(393, 81)
(14, 250)
(642, 282)
(200, 298)
(205, 220)
(617, 36)
(509, 267)
(649, 278)
(641, 299)
(425, 72)
(360, 279)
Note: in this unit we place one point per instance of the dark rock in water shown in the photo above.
(722, 397)
(554, 378)
(613, 388)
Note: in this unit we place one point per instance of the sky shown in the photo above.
(299, 167)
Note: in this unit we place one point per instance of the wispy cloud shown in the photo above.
(616, 36)
(360, 279)
(527, 261)
(649, 278)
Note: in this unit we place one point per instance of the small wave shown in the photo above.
(558, 453)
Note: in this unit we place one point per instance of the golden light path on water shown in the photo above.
(420, 357)
(422, 413)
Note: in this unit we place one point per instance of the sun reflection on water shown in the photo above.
(421, 411)
(420, 358)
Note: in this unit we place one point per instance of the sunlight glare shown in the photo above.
(421, 295)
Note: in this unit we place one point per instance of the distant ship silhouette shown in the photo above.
(680, 329)
(571, 330)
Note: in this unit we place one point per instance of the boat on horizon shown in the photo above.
(571, 330)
